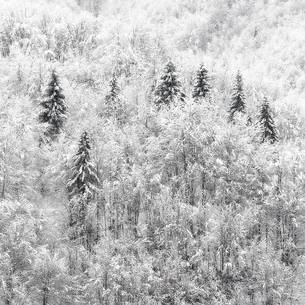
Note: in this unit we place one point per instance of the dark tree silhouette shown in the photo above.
(112, 100)
(114, 107)
(202, 86)
(54, 108)
(169, 88)
(238, 100)
(269, 132)
(84, 180)
(82, 186)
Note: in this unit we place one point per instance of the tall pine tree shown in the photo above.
(238, 100)
(169, 88)
(202, 86)
(82, 186)
(269, 132)
(54, 108)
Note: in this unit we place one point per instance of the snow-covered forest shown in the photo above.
(152, 152)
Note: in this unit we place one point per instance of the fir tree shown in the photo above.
(169, 88)
(54, 108)
(269, 132)
(113, 102)
(82, 187)
(84, 180)
(112, 98)
(202, 86)
(238, 100)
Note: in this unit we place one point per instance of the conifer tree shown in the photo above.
(54, 108)
(82, 187)
(84, 180)
(112, 98)
(113, 102)
(202, 86)
(169, 88)
(238, 100)
(269, 132)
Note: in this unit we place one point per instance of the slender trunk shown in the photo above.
(4, 172)
(98, 221)
(117, 221)
(45, 291)
(3, 185)
(137, 205)
(105, 219)
(9, 287)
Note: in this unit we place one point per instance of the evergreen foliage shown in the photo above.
(169, 88)
(191, 210)
(269, 132)
(82, 187)
(202, 86)
(112, 99)
(54, 108)
(238, 100)
(84, 180)
(113, 102)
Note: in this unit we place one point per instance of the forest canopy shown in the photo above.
(152, 152)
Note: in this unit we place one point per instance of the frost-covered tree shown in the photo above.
(49, 282)
(82, 187)
(54, 108)
(238, 100)
(114, 107)
(269, 132)
(202, 86)
(211, 216)
(112, 100)
(84, 180)
(169, 88)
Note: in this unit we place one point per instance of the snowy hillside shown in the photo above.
(152, 152)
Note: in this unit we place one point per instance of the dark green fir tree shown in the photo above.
(238, 100)
(54, 108)
(269, 132)
(202, 86)
(169, 88)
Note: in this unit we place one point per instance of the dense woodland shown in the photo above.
(152, 152)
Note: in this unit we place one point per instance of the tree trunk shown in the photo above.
(45, 291)
(9, 287)
(3, 185)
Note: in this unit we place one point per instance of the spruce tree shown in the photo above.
(269, 132)
(54, 108)
(112, 98)
(82, 187)
(169, 88)
(84, 180)
(113, 103)
(202, 86)
(238, 100)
